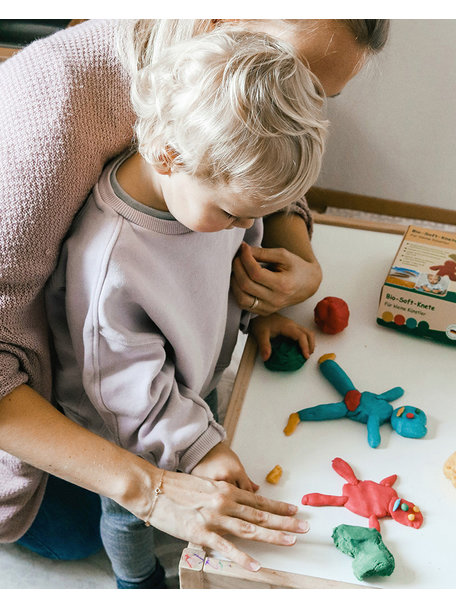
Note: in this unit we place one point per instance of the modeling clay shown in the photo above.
(368, 499)
(286, 355)
(274, 475)
(369, 408)
(447, 269)
(449, 468)
(331, 315)
(372, 557)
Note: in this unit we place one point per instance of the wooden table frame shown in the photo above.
(198, 569)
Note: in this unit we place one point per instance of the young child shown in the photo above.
(432, 283)
(229, 129)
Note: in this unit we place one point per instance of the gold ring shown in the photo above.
(255, 303)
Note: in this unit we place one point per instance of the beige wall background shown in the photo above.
(393, 128)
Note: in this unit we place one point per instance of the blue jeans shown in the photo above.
(67, 525)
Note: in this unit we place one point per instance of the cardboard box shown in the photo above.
(419, 294)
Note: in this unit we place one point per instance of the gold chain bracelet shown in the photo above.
(158, 490)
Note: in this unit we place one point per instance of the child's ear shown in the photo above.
(167, 160)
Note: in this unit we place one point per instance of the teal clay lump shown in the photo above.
(286, 355)
(365, 545)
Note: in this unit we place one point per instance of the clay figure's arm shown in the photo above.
(323, 500)
(373, 431)
(392, 394)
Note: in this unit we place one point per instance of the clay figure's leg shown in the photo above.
(343, 469)
(372, 557)
(323, 500)
(325, 411)
(374, 523)
(293, 421)
(373, 431)
(336, 375)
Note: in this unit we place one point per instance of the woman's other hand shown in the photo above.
(276, 277)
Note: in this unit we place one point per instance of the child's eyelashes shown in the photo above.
(229, 216)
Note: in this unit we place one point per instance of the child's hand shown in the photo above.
(265, 328)
(222, 464)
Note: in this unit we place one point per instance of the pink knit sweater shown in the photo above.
(64, 111)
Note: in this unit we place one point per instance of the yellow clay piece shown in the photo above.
(326, 357)
(416, 509)
(400, 411)
(292, 423)
(411, 517)
(274, 475)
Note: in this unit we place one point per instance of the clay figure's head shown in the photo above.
(405, 512)
(409, 421)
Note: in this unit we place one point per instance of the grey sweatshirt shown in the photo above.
(144, 324)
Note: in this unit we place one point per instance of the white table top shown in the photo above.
(355, 264)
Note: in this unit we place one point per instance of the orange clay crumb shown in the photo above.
(292, 423)
(274, 475)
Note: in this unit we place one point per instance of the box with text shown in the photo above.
(419, 294)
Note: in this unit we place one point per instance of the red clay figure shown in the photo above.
(368, 498)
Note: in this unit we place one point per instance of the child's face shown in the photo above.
(433, 278)
(205, 207)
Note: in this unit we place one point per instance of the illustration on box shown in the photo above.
(369, 408)
(419, 293)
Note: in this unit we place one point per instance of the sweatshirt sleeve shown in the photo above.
(133, 387)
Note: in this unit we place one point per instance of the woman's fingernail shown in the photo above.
(255, 566)
(292, 509)
(290, 540)
(303, 526)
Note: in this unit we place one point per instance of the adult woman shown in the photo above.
(64, 112)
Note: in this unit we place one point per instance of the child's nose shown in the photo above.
(244, 223)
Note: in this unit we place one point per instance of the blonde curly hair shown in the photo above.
(234, 107)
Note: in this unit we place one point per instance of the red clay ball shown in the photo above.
(331, 315)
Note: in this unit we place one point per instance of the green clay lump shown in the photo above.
(286, 355)
(371, 556)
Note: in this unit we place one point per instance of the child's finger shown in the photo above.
(263, 338)
(245, 483)
(303, 336)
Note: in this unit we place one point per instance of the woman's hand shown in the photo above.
(265, 328)
(276, 277)
(203, 511)
(222, 464)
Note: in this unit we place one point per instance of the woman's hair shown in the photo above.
(370, 33)
(142, 41)
(234, 107)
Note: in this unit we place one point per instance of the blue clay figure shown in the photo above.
(369, 408)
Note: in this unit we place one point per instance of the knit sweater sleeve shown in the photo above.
(64, 111)
(302, 208)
